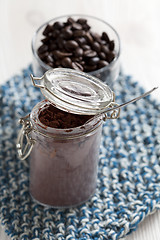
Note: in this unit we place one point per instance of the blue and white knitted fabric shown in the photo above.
(128, 187)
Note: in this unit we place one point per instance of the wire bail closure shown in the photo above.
(24, 149)
(114, 112)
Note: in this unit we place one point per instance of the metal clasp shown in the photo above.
(24, 141)
(35, 80)
(113, 112)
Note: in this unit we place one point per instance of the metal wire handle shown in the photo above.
(24, 150)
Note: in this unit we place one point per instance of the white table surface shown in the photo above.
(138, 24)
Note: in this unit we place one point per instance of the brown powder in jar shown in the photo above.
(56, 118)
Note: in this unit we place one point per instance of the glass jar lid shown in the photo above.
(74, 91)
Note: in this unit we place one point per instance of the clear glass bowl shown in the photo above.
(107, 74)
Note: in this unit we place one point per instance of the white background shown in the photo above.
(138, 24)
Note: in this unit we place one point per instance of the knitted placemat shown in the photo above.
(128, 186)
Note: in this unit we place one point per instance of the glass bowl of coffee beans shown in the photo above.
(81, 42)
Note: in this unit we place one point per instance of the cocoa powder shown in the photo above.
(53, 117)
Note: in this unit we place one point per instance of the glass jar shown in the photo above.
(63, 162)
(107, 74)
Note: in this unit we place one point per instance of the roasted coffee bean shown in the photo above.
(43, 56)
(104, 49)
(96, 36)
(76, 26)
(86, 47)
(58, 63)
(93, 61)
(102, 55)
(42, 49)
(81, 41)
(52, 46)
(86, 27)
(70, 20)
(71, 44)
(111, 45)
(82, 21)
(96, 46)
(58, 25)
(67, 33)
(110, 56)
(66, 62)
(89, 38)
(89, 53)
(89, 68)
(51, 64)
(47, 30)
(55, 33)
(61, 43)
(105, 37)
(77, 59)
(78, 52)
(102, 63)
(77, 66)
(58, 54)
(49, 59)
(46, 40)
(78, 33)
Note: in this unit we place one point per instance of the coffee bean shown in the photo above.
(46, 40)
(76, 26)
(86, 27)
(55, 33)
(47, 30)
(102, 63)
(43, 56)
(89, 68)
(78, 33)
(52, 46)
(58, 54)
(58, 25)
(49, 59)
(86, 47)
(89, 53)
(110, 56)
(51, 64)
(96, 46)
(61, 43)
(77, 66)
(66, 62)
(67, 33)
(93, 60)
(111, 45)
(105, 37)
(77, 59)
(89, 38)
(71, 44)
(70, 20)
(81, 41)
(42, 49)
(104, 49)
(82, 21)
(96, 36)
(102, 55)
(58, 63)
(78, 52)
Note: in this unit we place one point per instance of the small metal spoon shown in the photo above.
(131, 101)
(123, 104)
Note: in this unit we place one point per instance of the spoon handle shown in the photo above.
(131, 101)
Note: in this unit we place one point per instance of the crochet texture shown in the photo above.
(128, 186)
